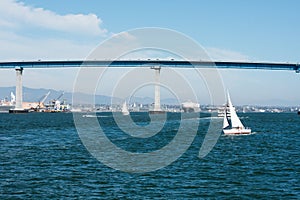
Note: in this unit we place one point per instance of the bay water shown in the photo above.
(42, 157)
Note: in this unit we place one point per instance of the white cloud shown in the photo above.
(22, 35)
(15, 48)
(217, 54)
(6, 24)
(19, 15)
(21, 39)
(124, 36)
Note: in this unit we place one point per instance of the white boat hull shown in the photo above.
(236, 131)
(125, 113)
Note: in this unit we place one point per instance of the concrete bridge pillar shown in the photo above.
(19, 92)
(157, 108)
(19, 87)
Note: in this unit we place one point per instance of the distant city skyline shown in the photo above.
(231, 30)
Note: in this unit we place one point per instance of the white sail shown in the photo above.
(236, 125)
(125, 109)
(225, 120)
(12, 97)
(235, 121)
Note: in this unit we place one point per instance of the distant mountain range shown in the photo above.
(36, 95)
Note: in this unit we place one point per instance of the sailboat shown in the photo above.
(125, 109)
(235, 127)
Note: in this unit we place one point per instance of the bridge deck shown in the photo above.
(148, 63)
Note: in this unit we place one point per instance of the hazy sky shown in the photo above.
(228, 30)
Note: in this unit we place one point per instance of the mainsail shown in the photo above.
(235, 121)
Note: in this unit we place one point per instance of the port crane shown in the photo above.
(44, 98)
(41, 101)
(62, 94)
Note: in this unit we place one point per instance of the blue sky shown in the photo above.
(228, 30)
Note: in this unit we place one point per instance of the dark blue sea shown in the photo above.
(42, 157)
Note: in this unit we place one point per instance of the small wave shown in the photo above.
(194, 118)
(212, 118)
(202, 118)
(89, 116)
(244, 117)
(5, 138)
(94, 116)
(252, 133)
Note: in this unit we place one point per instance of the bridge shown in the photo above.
(147, 63)
(153, 64)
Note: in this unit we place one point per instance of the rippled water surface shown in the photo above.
(42, 157)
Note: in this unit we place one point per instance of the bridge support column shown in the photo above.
(157, 108)
(19, 92)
